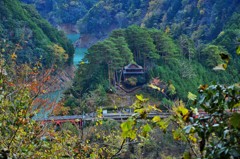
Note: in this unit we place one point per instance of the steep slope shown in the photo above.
(30, 37)
(199, 19)
(108, 15)
(59, 12)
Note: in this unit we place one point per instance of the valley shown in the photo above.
(119, 79)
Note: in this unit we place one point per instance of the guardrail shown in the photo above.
(124, 116)
(91, 117)
(114, 116)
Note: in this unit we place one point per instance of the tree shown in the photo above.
(227, 39)
(141, 44)
(122, 47)
(59, 54)
(210, 55)
(187, 47)
(217, 129)
(21, 135)
(211, 132)
(105, 53)
(165, 46)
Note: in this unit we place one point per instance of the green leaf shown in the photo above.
(172, 89)
(235, 120)
(156, 119)
(154, 87)
(236, 105)
(126, 126)
(183, 110)
(238, 50)
(99, 112)
(191, 96)
(142, 113)
(186, 155)
(163, 125)
(147, 128)
(93, 156)
(128, 129)
(177, 134)
(132, 134)
(140, 97)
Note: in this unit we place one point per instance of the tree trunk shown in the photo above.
(109, 75)
(120, 78)
(144, 62)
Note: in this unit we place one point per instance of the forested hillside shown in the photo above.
(201, 20)
(178, 64)
(26, 36)
(179, 42)
(59, 12)
(160, 79)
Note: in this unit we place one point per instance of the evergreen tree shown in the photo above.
(122, 47)
(165, 45)
(210, 55)
(187, 47)
(141, 44)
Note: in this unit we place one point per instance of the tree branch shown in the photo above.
(120, 149)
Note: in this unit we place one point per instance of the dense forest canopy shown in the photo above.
(22, 25)
(177, 62)
(62, 11)
(201, 20)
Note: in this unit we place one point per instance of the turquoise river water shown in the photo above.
(56, 96)
(79, 52)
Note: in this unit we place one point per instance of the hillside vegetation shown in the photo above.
(30, 38)
(62, 11)
(201, 20)
(178, 64)
(184, 94)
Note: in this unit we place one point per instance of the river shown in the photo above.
(79, 52)
(56, 96)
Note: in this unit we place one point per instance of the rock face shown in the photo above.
(87, 40)
(61, 79)
(68, 28)
(65, 76)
